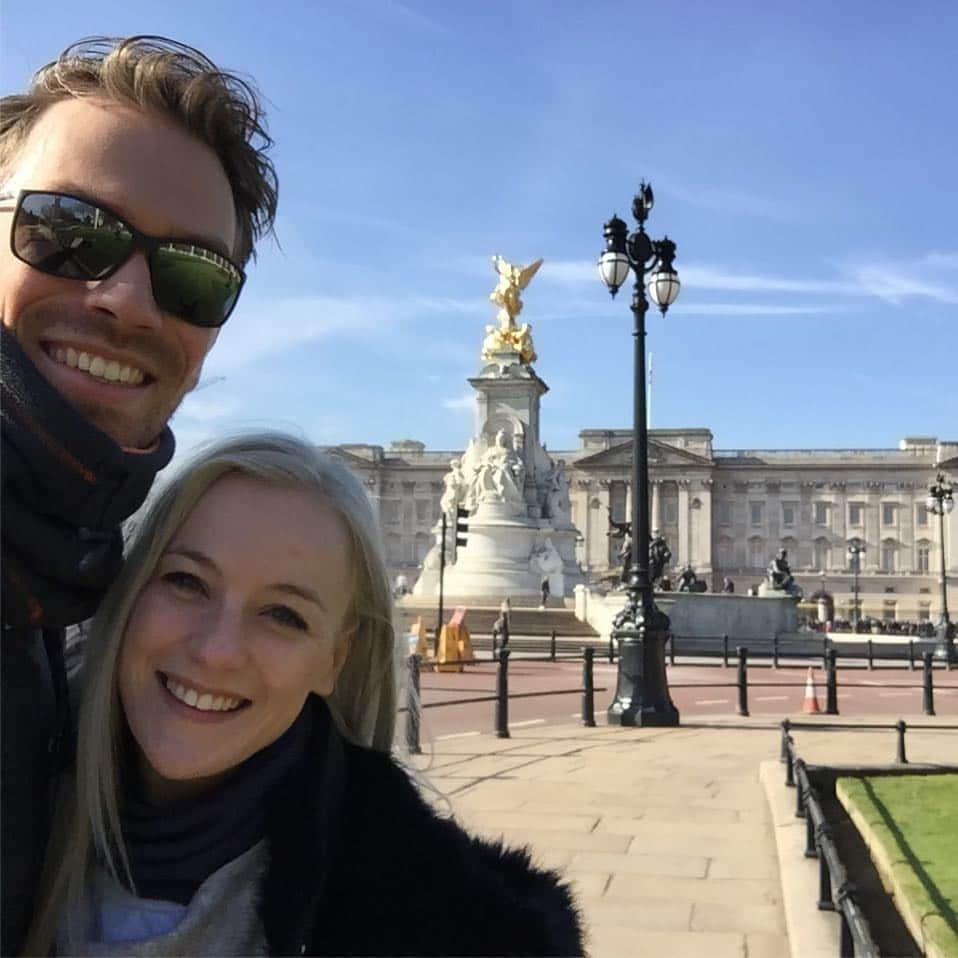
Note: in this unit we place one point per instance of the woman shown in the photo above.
(234, 790)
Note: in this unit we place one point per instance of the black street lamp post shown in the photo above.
(856, 549)
(940, 503)
(642, 689)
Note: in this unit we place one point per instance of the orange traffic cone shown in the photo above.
(810, 704)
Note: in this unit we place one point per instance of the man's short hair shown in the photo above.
(171, 79)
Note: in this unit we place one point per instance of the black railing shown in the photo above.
(742, 683)
(836, 891)
(414, 704)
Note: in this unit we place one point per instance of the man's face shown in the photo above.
(165, 183)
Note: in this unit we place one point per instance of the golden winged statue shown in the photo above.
(508, 336)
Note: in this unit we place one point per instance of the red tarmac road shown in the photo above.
(773, 692)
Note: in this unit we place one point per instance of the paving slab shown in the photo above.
(668, 837)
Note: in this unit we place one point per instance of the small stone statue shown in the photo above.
(659, 557)
(780, 576)
(728, 586)
(688, 580)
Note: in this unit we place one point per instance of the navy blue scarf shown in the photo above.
(173, 849)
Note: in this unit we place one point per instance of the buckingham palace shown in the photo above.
(723, 512)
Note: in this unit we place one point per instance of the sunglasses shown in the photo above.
(72, 238)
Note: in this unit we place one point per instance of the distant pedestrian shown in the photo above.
(544, 592)
(728, 586)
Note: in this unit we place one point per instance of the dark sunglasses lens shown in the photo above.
(68, 237)
(194, 283)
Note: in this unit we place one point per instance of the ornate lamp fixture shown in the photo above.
(642, 690)
(939, 503)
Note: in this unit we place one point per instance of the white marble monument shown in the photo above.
(517, 496)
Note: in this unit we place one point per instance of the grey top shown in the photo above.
(221, 918)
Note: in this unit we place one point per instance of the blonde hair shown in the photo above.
(158, 75)
(363, 703)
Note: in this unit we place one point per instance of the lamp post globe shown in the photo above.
(641, 629)
(940, 502)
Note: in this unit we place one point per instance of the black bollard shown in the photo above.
(871, 656)
(413, 706)
(552, 646)
(611, 650)
(588, 688)
(502, 694)
(824, 651)
(742, 680)
(790, 765)
(671, 648)
(724, 651)
(775, 650)
(831, 683)
(911, 654)
(783, 751)
(928, 697)
(900, 754)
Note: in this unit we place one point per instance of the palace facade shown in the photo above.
(724, 512)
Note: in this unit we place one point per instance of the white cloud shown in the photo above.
(262, 328)
(466, 401)
(748, 309)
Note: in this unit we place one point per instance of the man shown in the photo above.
(115, 145)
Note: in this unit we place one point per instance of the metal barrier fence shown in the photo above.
(415, 705)
(836, 891)
(743, 685)
(504, 655)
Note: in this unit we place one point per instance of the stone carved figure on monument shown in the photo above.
(455, 487)
(780, 578)
(659, 557)
(469, 464)
(500, 474)
(688, 580)
(508, 336)
(557, 503)
(546, 561)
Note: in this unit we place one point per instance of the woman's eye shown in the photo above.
(185, 582)
(284, 615)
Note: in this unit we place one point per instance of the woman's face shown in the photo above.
(245, 614)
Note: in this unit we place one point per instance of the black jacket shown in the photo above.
(66, 489)
(361, 865)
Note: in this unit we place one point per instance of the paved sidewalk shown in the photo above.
(665, 834)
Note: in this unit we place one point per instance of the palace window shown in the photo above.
(888, 553)
(888, 513)
(821, 513)
(757, 511)
(670, 512)
(921, 515)
(855, 512)
(822, 554)
(756, 553)
(788, 513)
(923, 557)
(725, 513)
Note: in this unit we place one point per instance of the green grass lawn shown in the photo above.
(910, 824)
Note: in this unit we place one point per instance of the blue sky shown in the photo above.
(803, 157)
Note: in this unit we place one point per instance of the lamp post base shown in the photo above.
(642, 690)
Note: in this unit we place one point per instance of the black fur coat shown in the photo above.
(361, 865)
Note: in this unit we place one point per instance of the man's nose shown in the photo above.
(127, 295)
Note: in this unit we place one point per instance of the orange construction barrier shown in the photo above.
(810, 705)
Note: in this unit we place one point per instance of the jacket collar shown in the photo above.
(302, 830)
(67, 486)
